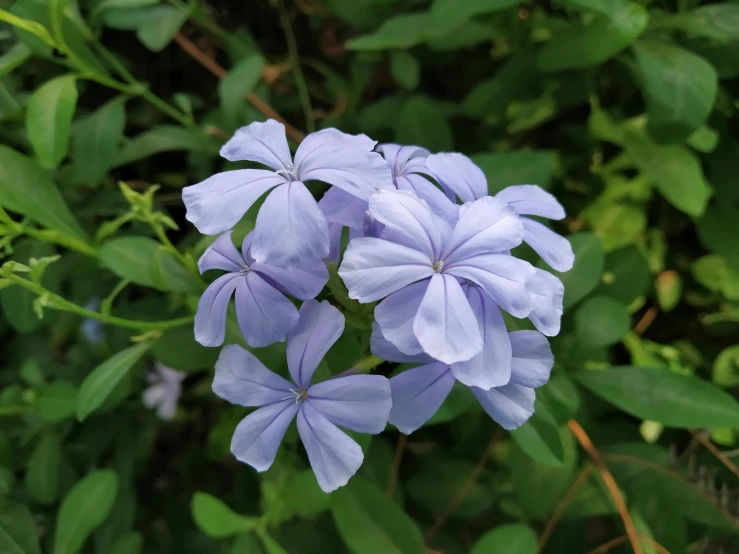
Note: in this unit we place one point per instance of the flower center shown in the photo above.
(438, 266)
(291, 173)
(244, 268)
(298, 394)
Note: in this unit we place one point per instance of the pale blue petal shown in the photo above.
(373, 268)
(396, 313)
(554, 249)
(357, 402)
(485, 226)
(264, 143)
(303, 283)
(333, 456)
(319, 327)
(222, 254)
(218, 203)
(503, 277)
(258, 436)
(434, 197)
(246, 248)
(547, 292)
(532, 200)
(313, 144)
(510, 406)
(383, 348)
(418, 393)
(492, 366)
(341, 207)
(458, 173)
(264, 314)
(445, 325)
(210, 319)
(404, 160)
(242, 379)
(532, 359)
(291, 230)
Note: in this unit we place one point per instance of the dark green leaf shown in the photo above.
(96, 140)
(421, 122)
(18, 533)
(405, 69)
(165, 138)
(601, 321)
(177, 348)
(304, 496)
(242, 79)
(716, 274)
(130, 543)
(447, 14)
(42, 477)
(130, 258)
(626, 275)
(514, 168)
(57, 401)
(49, 119)
(507, 539)
(434, 485)
(585, 274)
(401, 31)
(216, 519)
(539, 437)
(161, 25)
(13, 58)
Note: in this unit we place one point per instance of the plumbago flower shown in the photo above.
(290, 231)
(164, 390)
(264, 314)
(358, 402)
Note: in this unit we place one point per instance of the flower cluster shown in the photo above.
(426, 241)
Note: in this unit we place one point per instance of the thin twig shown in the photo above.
(618, 541)
(562, 506)
(723, 458)
(211, 65)
(645, 321)
(587, 444)
(457, 499)
(397, 459)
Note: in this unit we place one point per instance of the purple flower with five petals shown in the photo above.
(358, 402)
(419, 392)
(264, 314)
(418, 266)
(290, 231)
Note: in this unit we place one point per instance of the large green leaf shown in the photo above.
(504, 169)
(601, 321)
(27, 188)
(42, 477)
(661, 395)
(102, 380)
(49, 119)
(436, 483)
(539, 437)
(18, 533)
(13, 58)
(177, 348)
(585, 274)
(84, 508)
(165, 138)
(160, 26)
(401, 31)
(96, 140)
(512, 538)
(679, 87)
(370, 523)
(447, 14)
(242, 79)
(421, 122)
(216, 519)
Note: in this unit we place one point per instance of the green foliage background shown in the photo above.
(626, 110)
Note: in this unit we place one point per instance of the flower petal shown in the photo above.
(492, 366)
(383, 348)
(532, 200)
(222, 254)
(341, 207)
(408, 220)
(532, 359)
(547, 292)
(373, 268)
(154, 395)
(218, 203)
(264, 143)
(485, 226)
(510, 406)
(258, 436)
(334, 457)
(265, 316)
(502, 277)
(319, 327)
(396, 313)
(437, 201)
(403, 159)
(210, 319)
(358, 402)
(554, 249)
(302, 283)
(418, 393)
(291, 230)
(459, 174)
(243, 380)
(445, 325)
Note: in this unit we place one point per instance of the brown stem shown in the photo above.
(397, 459)
(723, 458)
(562, 506)
(645, 321)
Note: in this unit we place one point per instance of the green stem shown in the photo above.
(67, 241)
(57, 302)
(14, 410)
(107, 305)
(365, 365)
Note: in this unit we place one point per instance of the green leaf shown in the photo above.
(401, 32)
(49, 119)
(57, 401)
(601, 321)
(679, 87)
(585, 274)
(130, 543)
(370, 523)
(18, 533)
(435, 484)
(165, 138)
(178, 349)
(582, 46)
(168, 273)
(96, 140)
(161, 25)
(405, 69)
(304, 496)
(513, 168)
(215, 519)
(240, 81)
(42, 477)
(421, 122)
(726, 367)
(716, 274)
(447, 14)
(539, 437)
(102, 380)
(661, 395)
(626, 275)
(84, 508)
(14, 58)
(26, 188)
(717, 21)
(513, 538)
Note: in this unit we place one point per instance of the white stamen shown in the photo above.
(438, 266)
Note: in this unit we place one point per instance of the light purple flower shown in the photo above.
(419, 264)
(164, 391)
(290, 230)
(92, 329)
(419, 392)
(264, 314)
(358, 402)
(459, 175)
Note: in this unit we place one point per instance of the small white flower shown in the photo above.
(164, 392)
